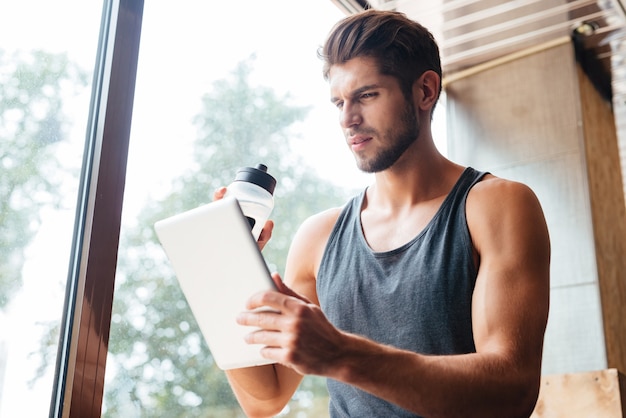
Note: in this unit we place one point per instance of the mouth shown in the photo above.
(358, 141)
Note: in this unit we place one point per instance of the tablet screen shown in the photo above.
(219, 266)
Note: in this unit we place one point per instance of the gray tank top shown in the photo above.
(415, 297)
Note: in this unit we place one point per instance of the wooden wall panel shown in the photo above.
(608, 215)
(581, 395)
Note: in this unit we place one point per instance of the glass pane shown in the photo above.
(220, 85)
(46, 61)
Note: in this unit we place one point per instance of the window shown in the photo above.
(219, 86)
(46, 62)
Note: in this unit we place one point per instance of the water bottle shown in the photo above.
(253, 188)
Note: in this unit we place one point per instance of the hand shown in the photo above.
(295, 333)
(266, 232)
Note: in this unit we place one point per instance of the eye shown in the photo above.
(339, 104)
(368, 95)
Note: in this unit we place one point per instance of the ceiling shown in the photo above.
(472, 32)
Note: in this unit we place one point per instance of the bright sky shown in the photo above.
(286, 60)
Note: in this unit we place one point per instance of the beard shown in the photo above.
(399, 139)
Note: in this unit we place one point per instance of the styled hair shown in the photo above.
(402, 48)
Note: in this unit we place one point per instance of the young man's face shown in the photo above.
(379, 123)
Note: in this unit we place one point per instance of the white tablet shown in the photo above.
(219, 266)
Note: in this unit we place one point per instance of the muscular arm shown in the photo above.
(510, 306)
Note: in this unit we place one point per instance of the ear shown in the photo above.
(428, 86)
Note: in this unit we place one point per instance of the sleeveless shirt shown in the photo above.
(416, 297)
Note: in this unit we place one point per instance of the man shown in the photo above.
(427, 294)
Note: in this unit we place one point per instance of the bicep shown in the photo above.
(511, 297)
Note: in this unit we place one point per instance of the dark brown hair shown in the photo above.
(402, 47)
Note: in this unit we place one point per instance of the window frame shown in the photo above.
(83, 344)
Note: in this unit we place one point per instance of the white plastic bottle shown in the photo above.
(254, 188)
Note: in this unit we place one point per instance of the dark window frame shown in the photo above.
(85, 327)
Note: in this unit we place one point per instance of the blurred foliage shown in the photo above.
(32, 124)
(159, 363)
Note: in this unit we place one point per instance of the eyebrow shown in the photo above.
(357, 92)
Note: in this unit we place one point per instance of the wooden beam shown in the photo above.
(608, 213)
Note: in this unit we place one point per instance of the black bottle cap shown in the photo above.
(257, 175)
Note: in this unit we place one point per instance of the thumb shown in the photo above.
(286, 290)
(219, 193)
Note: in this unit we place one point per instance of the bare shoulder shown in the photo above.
(491, 189)
(319, 226)
(503, 214)
(307, 248)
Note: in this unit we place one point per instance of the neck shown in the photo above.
(420, 174)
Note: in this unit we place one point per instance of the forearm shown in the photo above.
(470, 385)
(263, 391)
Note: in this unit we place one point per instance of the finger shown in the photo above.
(272, 346)
(286, 290)
(265, 337)
(274, 353)
(266, 234)
(268, 300)
(219, 193)
(266, 320)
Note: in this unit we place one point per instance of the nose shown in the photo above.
(350, 115)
